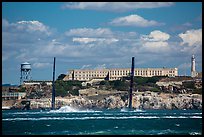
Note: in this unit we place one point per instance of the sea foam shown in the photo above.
(66, 109)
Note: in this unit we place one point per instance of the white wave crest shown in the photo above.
(66, 109)
(195, 117)
(134, 110)
(195, 133)
(88, 118)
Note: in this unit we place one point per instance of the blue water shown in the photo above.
(69, 121)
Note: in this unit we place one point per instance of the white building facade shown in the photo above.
(29, 83)
(117, 73)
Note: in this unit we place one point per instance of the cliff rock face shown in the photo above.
(168, 101)
(146, 100)
(140, 100)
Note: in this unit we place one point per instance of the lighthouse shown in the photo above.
(193, 70)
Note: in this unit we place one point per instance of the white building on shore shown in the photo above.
(117, 73)
(37, 82)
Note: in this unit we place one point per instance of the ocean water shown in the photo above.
(70, 121)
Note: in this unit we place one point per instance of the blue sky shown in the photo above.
(85, 35)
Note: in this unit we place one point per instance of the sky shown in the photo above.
(95, 35)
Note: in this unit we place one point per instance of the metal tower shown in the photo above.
(25, 72)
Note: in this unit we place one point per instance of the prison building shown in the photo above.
(115, 74)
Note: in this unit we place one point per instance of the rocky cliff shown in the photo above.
(141, 100)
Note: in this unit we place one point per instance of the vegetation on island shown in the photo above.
(139, 83)
(65, 88)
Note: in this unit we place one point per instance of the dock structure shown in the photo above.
(131, 83)
(53, 86)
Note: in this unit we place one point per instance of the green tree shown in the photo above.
(74, 92)
(140, 80)
(120, 85)
(62, 87)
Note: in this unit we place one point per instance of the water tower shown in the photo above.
(25, 72)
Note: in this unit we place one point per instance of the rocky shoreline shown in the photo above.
(141, 100)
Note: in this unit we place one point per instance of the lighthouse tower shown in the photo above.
(193, 70)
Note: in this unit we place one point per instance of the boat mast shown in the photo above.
(131, 84)
(53, 86)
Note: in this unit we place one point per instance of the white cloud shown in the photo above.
(134, 20)
(24, 32)
(89, 32)
(7, 55)
(158, 46)
(90, 40)
(5, 23)
(115, 6)
(191, 37)
(32, 26)
(100, 66)
(84, 40)
(156, 41)
(156, 35)
(187, 24)
(25, 26)
(86, 66)
(41, 65)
